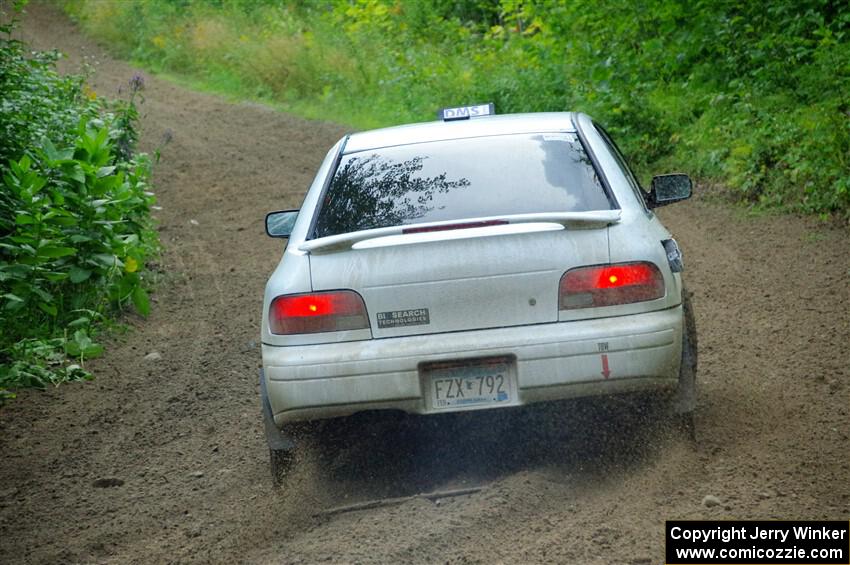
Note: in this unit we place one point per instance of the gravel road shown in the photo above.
(162, 460)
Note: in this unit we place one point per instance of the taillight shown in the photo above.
(317, 312)
(608, 285)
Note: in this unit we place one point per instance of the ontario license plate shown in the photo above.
(470, 384)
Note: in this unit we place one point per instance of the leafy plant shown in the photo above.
(75, 227)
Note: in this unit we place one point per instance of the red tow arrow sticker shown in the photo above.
(605, 371)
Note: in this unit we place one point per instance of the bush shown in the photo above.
(75, 229)
(756, 95)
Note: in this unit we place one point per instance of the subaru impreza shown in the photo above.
(476, 262)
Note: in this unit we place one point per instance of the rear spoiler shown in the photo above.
(570, 220)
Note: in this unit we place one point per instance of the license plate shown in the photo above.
(470, 384)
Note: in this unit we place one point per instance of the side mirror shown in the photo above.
(667, 189)
(280, 224)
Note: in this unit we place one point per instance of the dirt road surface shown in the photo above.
(164, 460)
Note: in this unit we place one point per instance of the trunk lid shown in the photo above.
(466, 279)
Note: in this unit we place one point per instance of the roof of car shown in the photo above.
(459, 129)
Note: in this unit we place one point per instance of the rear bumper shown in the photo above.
(553, 361)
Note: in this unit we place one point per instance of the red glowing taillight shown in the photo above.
(317, 312)
(608, 285)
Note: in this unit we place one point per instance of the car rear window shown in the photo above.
(460, 179)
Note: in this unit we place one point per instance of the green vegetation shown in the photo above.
(755, 95)
(75, 229)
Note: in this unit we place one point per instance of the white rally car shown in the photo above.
(475, 262)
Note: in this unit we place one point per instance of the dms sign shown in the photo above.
(466, 112)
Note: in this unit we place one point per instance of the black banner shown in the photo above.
(745, 542)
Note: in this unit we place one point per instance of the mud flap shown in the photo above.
(686, 394)
(277, 440)
(685, 398)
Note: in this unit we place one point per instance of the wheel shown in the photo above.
(685, 425)
(280, 461)
(685, 399)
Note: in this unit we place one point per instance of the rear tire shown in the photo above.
(685, 425)
(280, 462)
